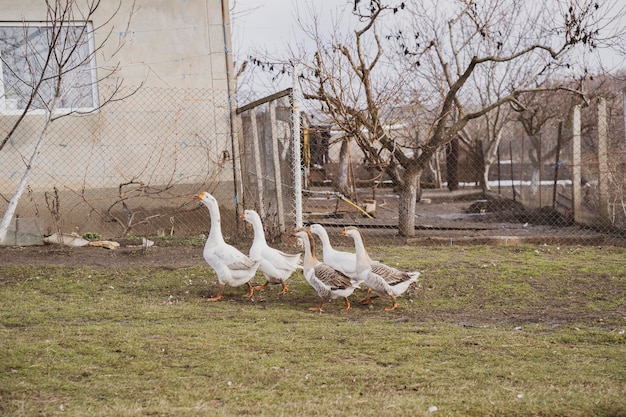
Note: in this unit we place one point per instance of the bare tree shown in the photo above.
(59, 66)
(433, 63)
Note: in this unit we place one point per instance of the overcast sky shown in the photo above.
(264, 28)
(269, 25)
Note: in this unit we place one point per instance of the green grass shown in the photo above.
(515, 331)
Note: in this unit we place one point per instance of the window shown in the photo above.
(24, 51)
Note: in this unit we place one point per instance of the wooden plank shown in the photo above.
(257, 161)
(263, 100)
(277, 174)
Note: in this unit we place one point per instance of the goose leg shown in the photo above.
(284, 290)
(317, 308)
(394, 306)
(250, 291)
(347, 307)
(218, 296)
(368, 299)
(261, 287)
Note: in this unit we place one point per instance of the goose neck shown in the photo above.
(259, 233)
(324, 238)
(361, 252)
(309, 252)
(215, 234)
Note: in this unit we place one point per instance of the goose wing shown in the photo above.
(234, 259)
(391, 275)
(345, 262)
(332, 278)
(282, 260)
(376, 282)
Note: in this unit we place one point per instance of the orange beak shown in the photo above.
(200, 196)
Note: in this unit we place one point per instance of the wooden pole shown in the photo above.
(278, 177)
(521, 173)
(499, 173)
(257, 161)
(557, 163)
(576, 165)
(540, 158)
(512, 176)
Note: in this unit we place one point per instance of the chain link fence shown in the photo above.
(564, 185)
(131, 169)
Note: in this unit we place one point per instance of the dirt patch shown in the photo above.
(125, 257)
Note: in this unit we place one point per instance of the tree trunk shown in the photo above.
(344, 169)
(8, 214)
(452, 164)
(534, 181)
(485, 177)
(409, 194)
(488, 159)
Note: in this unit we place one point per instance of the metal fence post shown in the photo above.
(297, 151)
(576, 164)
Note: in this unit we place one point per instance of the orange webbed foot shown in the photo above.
(250, 292)
(393, 307)
(320, 309)
(218, 296)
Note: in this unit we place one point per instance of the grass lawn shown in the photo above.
(493, 331)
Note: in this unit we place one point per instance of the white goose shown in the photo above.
(382, 279)
(277, 266)
(231, 266)
(344, 262)
(327, 282)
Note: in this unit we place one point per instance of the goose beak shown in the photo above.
(343, 232)
(200, 196)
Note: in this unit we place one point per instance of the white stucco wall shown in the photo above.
(175, 125)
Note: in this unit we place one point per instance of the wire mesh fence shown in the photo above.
(133, 169)
(269, 169)
(130, 169)
(565, 184)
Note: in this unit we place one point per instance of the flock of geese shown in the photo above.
(336, 277)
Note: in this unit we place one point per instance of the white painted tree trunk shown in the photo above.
(534, 181)
(491, 156)
(8, 215)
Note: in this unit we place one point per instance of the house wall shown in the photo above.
(173, 131)
(166, 43)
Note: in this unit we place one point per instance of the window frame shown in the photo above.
(91, 69)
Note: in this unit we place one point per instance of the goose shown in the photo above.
(231, 266)
(344, 262)
(380, 278)
(275, 265)
(326, 281)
